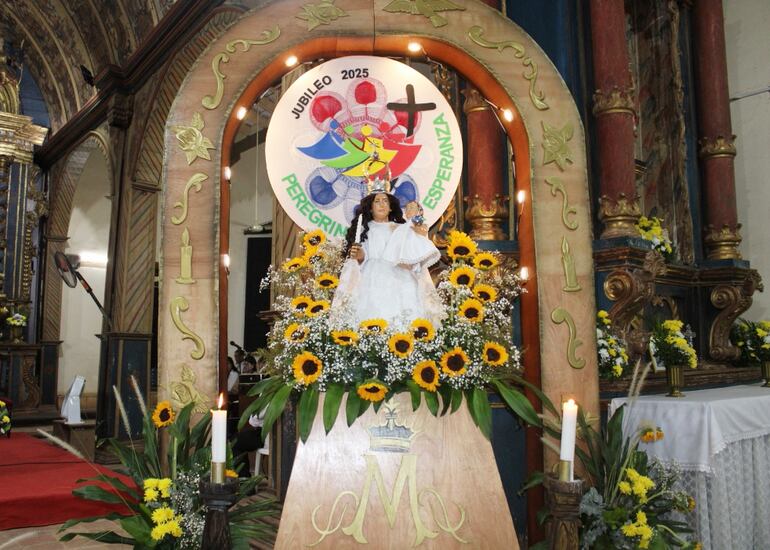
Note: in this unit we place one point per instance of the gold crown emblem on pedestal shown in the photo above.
(390, 437)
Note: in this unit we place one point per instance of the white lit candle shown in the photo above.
(219, 434)
(568, 429)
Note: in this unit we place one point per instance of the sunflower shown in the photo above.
(163, 415)
(327, 281)
(374, 325)
(301, 303)
(460, 246)
(494, 354)
(401, 344)
(344, 337)
(314, 239)
(425, 374)
(313, 255)
(454, 362)
(462, 276)
(472, 310)
(485, 260)
(296, 333)
(294, 264)
(485, 293)
(317, 308)
(372, 390)
(231, 473)
(423, 330)
(307, 368)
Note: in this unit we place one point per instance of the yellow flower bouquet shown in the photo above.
(651, 230)
(670, 347)
(753, 339)
(5, 418)
(314, 350)
(611, 348)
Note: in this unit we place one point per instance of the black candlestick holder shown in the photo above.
(218, 497)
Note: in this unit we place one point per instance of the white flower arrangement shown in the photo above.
(611, 348)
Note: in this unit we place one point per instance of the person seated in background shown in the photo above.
(248, 439)
(249, 365)
(232, 377)
(240, 356)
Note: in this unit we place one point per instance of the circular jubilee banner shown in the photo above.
(356, 117)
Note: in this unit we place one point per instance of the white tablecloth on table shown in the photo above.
(700, 424)
(721, 439)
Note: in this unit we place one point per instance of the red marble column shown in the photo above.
(717, 148)
(487, 203)
(614, 111)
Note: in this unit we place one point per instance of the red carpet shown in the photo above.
(36, 482)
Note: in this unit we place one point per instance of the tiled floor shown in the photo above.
(40, 538)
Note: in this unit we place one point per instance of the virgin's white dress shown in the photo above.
(392, 282)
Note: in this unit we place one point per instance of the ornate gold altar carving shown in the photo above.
(632, 290)
(732, 300)
(557, 184)
(322, 13)
(555, 146)
(426, 8)
(267, 36)
(615, 100)
(474, 101)
(722, 244)
(194, 181)
(487, 219)
(719, 146)
(568, 263)
(619, 216)
(536, 97)
(9, 86)
(559, 316)
(191, 139)
(177, 306)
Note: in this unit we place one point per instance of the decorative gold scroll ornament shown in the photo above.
(537, 97)
(322, 13)
(555, 146)
(559, 316)
(177, 306)
(267, 36)
(426, 8)
(185, 391)
(568, 263)
(192, 141)
(566, 210)
(194, 181)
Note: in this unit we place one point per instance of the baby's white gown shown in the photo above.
(393, 282)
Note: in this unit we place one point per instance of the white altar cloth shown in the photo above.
(721, 439)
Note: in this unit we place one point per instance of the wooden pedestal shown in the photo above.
(396, 479)
(81, 436)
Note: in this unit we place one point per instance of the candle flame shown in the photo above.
(220, 401)
(571, 402)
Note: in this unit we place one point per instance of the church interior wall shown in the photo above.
(746, 24)
(88, 235)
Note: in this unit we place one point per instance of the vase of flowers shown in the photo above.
(5, 419)
(651, 230)
(672, 350)
(610, 347)
(16, 322)
(753, 339)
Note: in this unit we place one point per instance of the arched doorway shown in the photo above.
(492, 53)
